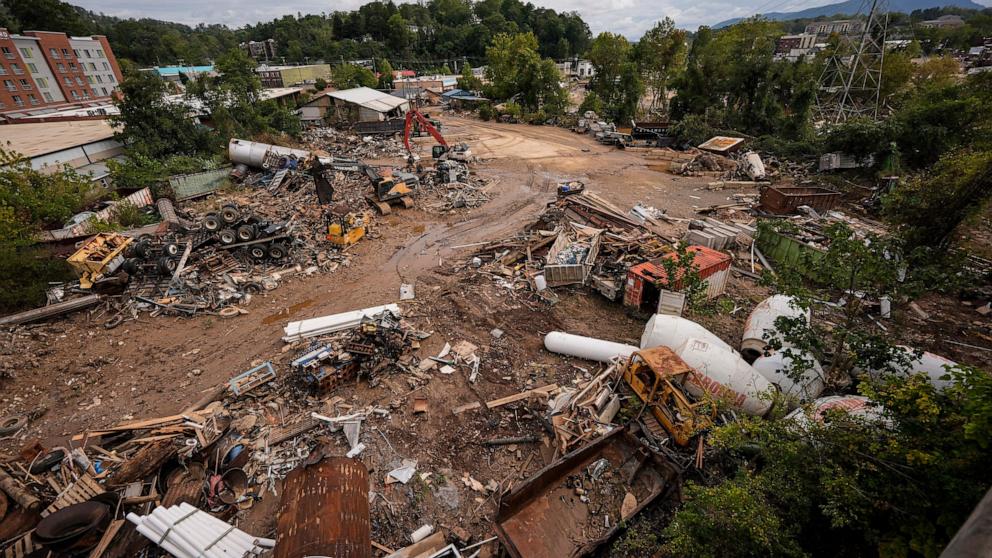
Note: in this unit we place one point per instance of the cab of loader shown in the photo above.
(656, 376)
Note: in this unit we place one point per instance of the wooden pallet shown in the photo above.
(22, 547)
(80, 491)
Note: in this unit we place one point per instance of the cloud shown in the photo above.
(628, 17)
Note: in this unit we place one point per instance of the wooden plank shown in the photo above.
(136, 425)
(543, 390)
(108, 537)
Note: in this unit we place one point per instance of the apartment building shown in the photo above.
(41, 70)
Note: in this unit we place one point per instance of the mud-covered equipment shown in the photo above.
(656, 376)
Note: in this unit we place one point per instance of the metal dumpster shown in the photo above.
(785, 199)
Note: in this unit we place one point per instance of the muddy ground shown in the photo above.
(72, 374)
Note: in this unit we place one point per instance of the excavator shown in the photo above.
(458, 152)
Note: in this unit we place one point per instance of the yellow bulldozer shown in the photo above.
(656, 376)
(98, 257)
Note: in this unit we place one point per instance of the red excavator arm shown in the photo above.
(424, 125)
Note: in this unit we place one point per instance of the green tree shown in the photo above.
(591, 102)
(320, 84)
(468, 81)
(517, 71)
(661, 55)
(348, 76)
(617, 81)
(31, 201)
(385, 74)
(150, 125)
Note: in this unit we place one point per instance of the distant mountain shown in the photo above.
(851, 7)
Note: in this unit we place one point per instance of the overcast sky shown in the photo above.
(630, 17)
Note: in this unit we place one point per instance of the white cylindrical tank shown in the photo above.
(754, 166)
(722, 373)
(928, 363)
(663, 330)
(252, 153)
(762, 319)
(588, 348)
(854, 405)
(774, 368)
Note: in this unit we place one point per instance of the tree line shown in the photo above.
(418, 34)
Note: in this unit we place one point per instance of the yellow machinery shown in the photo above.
(98, 257)
(345, 230)
(387, 190)
(656, 376)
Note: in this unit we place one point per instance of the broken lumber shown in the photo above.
(543, 390)
(18, 493)
(148, 460)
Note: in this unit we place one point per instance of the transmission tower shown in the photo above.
(851, 82)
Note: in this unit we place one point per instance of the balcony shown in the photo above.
(26, 86)
(34, 102)
(9, 56)
(19, 103)
(11, 88)
(18, 71)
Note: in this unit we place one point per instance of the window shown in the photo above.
(106, 66)
(25, 84)
(3, 70)
(99, 53)
(2, 105)
(86, 52)
(90, 79)
(32, 99)
(99, 79)
(7, 53)
(68, 81)
(17, 69)
(42, 83)
(17, 101)
(86, 95)
(25, 52)
(74, 94)
(72, 66)
(61, 68)
(92, 67)
(54, 53)
(9, 85)
(79, 81)
(76, 52)
(32, 68)
(110, 79)
(48, 97)
(65, 52)
(104, 91)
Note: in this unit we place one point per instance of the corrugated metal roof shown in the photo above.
(369, 98)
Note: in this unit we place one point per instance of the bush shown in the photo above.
(511, 109)
(693, 129)
(536, 118)
(486, 111)
(320, 84)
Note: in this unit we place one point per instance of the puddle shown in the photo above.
(286, 312)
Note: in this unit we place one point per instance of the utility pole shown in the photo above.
(851, 83)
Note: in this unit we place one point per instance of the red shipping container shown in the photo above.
(642, 289)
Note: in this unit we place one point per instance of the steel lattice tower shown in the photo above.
(851, 82)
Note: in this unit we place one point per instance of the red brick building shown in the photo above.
(43, 70)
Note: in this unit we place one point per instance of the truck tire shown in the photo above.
(141, 249)
(257, 252)
(171, 249)
(211, 222)
(131, 266)
(229, 214)
(278, 251)
(167, 265)
(246, 233)
(228, 236)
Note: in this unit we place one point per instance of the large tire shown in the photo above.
(171, 249)
(278, 251)
(167, 266)
(246, 233)
(212, 222)
(229, 214)
(141, 249)
(257, 252)
(131, 266)
(228, 236)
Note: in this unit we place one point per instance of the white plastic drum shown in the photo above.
(725, 375)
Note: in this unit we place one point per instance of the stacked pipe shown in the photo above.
(185, 531)
(296, 331)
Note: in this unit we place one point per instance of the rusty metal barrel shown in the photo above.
(325, 511)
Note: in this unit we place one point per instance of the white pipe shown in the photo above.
(588, 348)
(194, 531)
(163, 523)
(295, 331)
(216, 526)
(723, 374)
(168, 544)
(671, 331)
